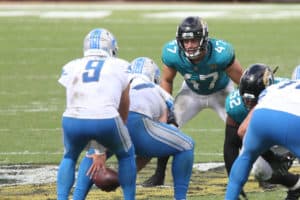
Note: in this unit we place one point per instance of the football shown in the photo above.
(106, 180)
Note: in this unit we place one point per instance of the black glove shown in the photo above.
(171, 119)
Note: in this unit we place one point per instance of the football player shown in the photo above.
(97, 93)
(150, 134)
(272, 166)
(273, 111)
(209, 67)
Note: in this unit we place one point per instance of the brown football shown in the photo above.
(107, 180)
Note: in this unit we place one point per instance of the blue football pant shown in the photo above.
(266, 129)
(112, 134)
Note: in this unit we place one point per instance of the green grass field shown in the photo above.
(34, 48)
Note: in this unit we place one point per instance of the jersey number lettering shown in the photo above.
(219, 48)
(289, 83)
(92, 71)
(173, 50)
(143, 86)
(234, 100)
(213, 76)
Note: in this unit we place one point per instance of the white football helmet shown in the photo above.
(296, 73)
(100, 42)
(146, 67)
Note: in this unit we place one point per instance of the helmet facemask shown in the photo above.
(253, 81)
(249, 100)
(193, 28)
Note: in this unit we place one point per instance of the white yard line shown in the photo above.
(31, 174)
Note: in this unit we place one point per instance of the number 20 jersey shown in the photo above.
(94, 86)
(208, 76)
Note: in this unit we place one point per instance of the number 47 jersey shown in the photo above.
(208, 76)
(94, 86)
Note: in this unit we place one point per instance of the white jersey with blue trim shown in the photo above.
(284, 96)
(94, 86)
(147, 98)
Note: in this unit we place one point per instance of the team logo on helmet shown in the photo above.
(100, 42)
(268, 77)
(147, 68)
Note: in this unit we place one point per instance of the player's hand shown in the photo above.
(98, 164)
(171, 119)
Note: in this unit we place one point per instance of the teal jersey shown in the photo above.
(235, 107)
(208, 76)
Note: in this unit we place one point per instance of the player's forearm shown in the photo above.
(124, 105)
(167, 86)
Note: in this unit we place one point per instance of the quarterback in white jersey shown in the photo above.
(149, 134)
(93, 86)
(97, 92)
(275, 120)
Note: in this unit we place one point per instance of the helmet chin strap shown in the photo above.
(193, 56)
(197, 53)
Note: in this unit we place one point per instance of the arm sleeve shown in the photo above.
(232, 145)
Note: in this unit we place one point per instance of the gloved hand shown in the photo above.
(171, 119)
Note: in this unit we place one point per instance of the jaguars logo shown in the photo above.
(268, 77)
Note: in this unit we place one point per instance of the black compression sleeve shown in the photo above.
(232, 145)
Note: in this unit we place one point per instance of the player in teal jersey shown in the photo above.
(272, 166)
(209, 68)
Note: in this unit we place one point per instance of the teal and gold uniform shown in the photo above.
(207, 76)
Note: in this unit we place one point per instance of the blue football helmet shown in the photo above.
(296, 73)
(146, 67)
(100, 42)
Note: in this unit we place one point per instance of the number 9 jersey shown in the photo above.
(94, 86)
